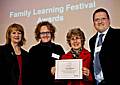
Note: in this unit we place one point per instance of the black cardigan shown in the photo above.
(42, 62)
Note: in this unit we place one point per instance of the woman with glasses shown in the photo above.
(76, 39)
(44, 54)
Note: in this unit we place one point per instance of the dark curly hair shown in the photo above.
(49, 26)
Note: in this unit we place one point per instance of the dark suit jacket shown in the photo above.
(109, 55)
(9, 68)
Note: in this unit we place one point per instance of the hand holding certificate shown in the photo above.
(68, 69)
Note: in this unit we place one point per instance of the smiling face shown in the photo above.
(76, 39)
(15, 36)
(101, 21)
(75, 42)
(45, 34)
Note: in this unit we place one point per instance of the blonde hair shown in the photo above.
(16, 27)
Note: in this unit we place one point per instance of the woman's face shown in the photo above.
(75, 42)
(15, 36)
(45, 34)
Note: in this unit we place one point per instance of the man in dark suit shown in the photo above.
(109, 50)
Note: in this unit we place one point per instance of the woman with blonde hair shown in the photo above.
(14, 60)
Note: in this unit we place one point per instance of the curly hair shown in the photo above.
(75, 32)
(49, 26)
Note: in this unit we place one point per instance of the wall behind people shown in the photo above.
(64, 14)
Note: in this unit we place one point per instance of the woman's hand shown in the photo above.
(53, 70)
(86, 71)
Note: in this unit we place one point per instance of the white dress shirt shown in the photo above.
(99, 77)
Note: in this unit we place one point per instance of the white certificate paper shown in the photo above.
(68, 69)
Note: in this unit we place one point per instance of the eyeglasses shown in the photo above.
(75, 38)
(98, 19)
(45, 33)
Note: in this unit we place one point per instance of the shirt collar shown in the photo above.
(105, 32)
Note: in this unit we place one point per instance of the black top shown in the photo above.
(42, 61)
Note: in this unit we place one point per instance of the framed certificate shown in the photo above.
(68, 69)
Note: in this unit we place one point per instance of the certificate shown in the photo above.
(68, 69)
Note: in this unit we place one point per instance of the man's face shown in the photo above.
(101, 21)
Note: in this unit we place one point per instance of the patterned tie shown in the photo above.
(97, 61)
(100, 40)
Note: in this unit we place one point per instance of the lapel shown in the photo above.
(108, 38)
(92, 43)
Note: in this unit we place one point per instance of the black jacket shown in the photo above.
(42, 61)
(109, 55)
(9, 68)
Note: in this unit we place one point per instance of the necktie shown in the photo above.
(97, 65)
(100, 40)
